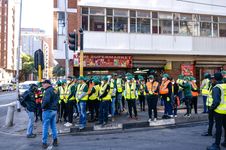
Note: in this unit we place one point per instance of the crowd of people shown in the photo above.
(107, 96)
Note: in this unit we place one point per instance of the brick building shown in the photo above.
(139, 36)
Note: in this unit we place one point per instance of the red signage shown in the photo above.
(105, 61)
(187, 70)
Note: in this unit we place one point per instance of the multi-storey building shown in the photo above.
(173, 36)
(9, 13)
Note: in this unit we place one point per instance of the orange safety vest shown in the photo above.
(163, 87)
(194, 86)
(152, 87)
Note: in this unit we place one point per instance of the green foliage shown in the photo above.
(27, 66)
(58, 71)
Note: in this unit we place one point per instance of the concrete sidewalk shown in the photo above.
(121, 122)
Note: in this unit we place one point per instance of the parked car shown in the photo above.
(23, 87)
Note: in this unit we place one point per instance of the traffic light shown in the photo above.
(39, 59)
(73, 41)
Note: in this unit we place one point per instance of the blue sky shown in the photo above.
(38, 14)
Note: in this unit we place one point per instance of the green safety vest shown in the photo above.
(119, 85)
(209, 101)
(94, 96)
(102, 90)
(130, 91)
(80, 89)
(221, 109)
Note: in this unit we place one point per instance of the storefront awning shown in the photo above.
(148, 64)
(210, 64)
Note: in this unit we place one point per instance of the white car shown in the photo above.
(23, 87)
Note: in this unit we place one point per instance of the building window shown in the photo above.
(85, 19)
(120, 20)
(186, 24)
(165, 23)
(61, 23)
(205, 25)
(155, 23)
(133, 21)
(143, 22)
(222, 26)
(109, 19)
(176, 24)
(97, 19)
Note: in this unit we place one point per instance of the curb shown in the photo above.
(162, 123)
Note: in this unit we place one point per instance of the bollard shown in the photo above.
(9, 116)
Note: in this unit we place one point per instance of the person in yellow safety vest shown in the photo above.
(130, 96)
(113, 87)
(141, 92)
(180, 81)
(165, 90)
(209, 103)
(204, 90)
(71, 100)
(82, 98)
(57, 90)
(219, 108)
(105, 99)
(152, 90)
(119, 91)
(195, 94)
(93, 100)
(63, 101)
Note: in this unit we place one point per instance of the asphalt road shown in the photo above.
(6, 98)
(186, 138)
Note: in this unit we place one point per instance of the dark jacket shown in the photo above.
(216, 94)
(29, 100)
(50, 99)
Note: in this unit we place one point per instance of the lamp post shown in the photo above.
(18, 58)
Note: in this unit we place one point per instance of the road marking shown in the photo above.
(162, 122)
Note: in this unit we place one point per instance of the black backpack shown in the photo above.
(22, 99)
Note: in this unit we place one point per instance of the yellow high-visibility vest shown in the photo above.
(209, 101)
(102, 90)
(205, 90)
(119, 85)
(221, 109)
(80, 89)
(94, 96)
(130, 91)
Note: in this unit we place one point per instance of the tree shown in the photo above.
(58, 71)
(27, 67)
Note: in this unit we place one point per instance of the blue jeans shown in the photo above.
(113, 106)
(82, 114)
(168, 107)
(104, 109)
(204, 103)
(49, 118)
(119, 102)
(30, 126)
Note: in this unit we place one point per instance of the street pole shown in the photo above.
(39, 73)
(81, 52)
(18, 59)
(66, 41)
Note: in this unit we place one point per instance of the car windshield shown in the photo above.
(24, 86)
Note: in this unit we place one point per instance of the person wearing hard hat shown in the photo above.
(63, 100)
(82, 98)
(219, 108)
(187, 95)
(165, 91)
(141, 92)
(105, 99)
(152, 90)
(195, 94)
(113, 87)
(119, 92)
(130, 96)
(204, 89)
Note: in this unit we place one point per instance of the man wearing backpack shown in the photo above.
(28, 101)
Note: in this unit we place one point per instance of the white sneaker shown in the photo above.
(109, 116)
(66, 123)
(171, 116)
(149, 120)
(175, 116)
(155, 119)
